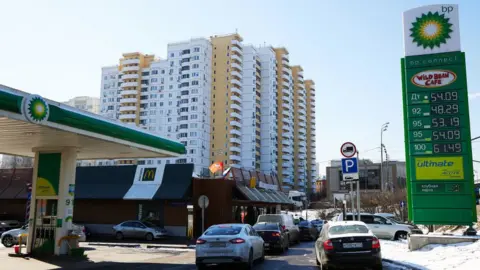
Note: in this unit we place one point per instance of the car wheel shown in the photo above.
(377, 267)
(119, 236)
(401, 236)
(7, 241)
(201, 266)
(249, 263)
(149, 237)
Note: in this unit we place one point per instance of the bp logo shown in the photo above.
(431, 30)
(35, 109)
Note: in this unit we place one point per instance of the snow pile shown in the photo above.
(454, 256)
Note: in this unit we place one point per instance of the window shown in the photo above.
(195, 74)
(196, 49)
(193, 134)
(193, 125)
(195, 66)
(170, 87)
(196, 57)
(153, 95)
(192, 142)
(194, 108)
(172, 54)
(154, 80)
(194, 91)
(161, 104)
(186, 76)
(154, 72)
(193, 116)
(194, 99)
(154, 88)
(193, 151)
(194, 82)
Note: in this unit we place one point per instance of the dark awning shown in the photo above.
(109, 182)
(263, 195)
(177, 180)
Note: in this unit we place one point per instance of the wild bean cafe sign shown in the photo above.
(436, 118)
(434, 78)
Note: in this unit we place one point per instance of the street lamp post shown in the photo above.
(384, 128)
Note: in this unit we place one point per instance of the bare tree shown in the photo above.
(384, 201)
(13, 162)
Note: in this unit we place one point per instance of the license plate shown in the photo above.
(352, 245)
(267, 244)
(217, 245)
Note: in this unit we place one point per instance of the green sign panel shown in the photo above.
(438, 140)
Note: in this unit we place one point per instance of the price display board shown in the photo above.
(438, 139)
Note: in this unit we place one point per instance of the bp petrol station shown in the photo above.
(57, 136)
(436, 118)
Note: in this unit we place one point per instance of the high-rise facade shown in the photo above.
(90, 104)
(311, 163)
(224, 100)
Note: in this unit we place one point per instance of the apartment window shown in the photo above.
(195, 66)
(153, 104)
(159, 162)
(168, 161)
(192, 142)
(193, 151)
(169, 119)
(170, 87)
(153, 112)
(105, 77)
(196, 57)
(185, 68)
(194, 82)
(196, 49)
(161, 104)
(154, 88)
(154, 80)
(153, 95)
(161, 88)
(194, 99)
(172, 63)
(194, 108)
(162, 71)
(154, 72)
(184, 92)
(195, 74)
(153, 121)
(161, 95)
(193, 134)
(186, 76)
(170, 95)
(193, 125)
(193, 116)
(170, 103)
(183, 135)
(185, 84)
(184, 117)
(194, 91)
(172, 54)
(184, 109)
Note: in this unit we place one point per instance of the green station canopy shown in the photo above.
(29, 122)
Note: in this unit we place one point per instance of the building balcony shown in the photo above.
(236, 98)
(287, 181)
(287, 157)
(286, 99)
(236, 58)
(301, 183)
(301, 104)
(236, 140)
(236, 107)
(127, 116)
(129, 84)
(128, 92)
(236, 74)
(302, 111)
(302, 151)
(286, 84)
(236, 90)
(235, 158)
(302, 131)
(128, 100)
(237, 50)
(287, 142)
(302, 124)
(302, 156)
(130, 76)
(237, 43)
(131, 68)
(302, 143)
(286, 106)
(236, 66)
(236, 115)
(286, 77)
(130, 61)
(286, 91)
(128, 108)
(235, 124)
(236, 83)
(235, 149)
(236, 132)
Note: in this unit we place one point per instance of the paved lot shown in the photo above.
(299, 257)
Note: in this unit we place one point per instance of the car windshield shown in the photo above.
(224, 230)
(265, 227)
(344, 229)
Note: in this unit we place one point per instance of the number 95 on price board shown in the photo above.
(458, 134)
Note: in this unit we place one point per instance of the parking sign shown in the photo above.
(350, 169)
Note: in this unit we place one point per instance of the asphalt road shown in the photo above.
(298, 257)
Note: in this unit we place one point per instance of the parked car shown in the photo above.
(140, 230)
(307, 230)
(318, 224)
(273, 235)
(8, 222)
(385, 228)
(348, 243)
(229, 243)
(11, 237)
(286, 221)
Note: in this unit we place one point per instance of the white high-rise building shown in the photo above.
(169, 97)
(269, 110)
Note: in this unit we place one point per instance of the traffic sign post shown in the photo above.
(203, 203)
(348, 150)
(436, 118)
(350, 173)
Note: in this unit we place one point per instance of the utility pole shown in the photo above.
(384, 128)
(358, 190)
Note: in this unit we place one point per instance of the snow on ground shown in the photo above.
(454, 256)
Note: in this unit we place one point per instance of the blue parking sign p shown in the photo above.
(349, 165)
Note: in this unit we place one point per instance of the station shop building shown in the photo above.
(167, 195)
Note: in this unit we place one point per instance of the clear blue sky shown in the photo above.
(352, 50)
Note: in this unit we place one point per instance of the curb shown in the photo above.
(407, 266)
(171, 247)
(115, 245)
